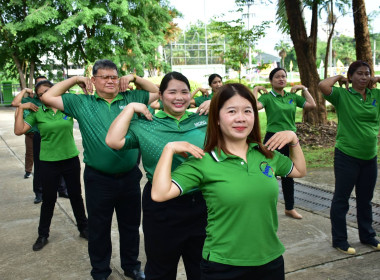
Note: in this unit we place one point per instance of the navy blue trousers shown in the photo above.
(105, 194)
(287, 183)
(274, 270)
(362, 174)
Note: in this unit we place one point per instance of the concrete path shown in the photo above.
(308, 255)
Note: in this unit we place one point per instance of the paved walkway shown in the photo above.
(308, 255)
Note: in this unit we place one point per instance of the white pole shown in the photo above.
(204, 9)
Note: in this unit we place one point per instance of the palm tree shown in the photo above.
(283, 49)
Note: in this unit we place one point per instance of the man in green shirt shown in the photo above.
(112, 178)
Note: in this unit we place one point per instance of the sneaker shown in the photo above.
(346, 250)
(375, 244)
(27, 175)
(38, 198)
(40, 243)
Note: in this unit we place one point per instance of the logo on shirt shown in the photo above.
(200, 123)
(291, 101)
(266, 169)
(374, 102)
(66, 117)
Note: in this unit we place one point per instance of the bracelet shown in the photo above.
(293, 145)
(304, 89)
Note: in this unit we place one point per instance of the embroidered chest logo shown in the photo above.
(374, 103)
(266, 169)
(291, 101)
(66, 117)
(200, 123)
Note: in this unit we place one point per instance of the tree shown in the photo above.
(363, 44)
(283, 49)
(239, 39)
(290, 19)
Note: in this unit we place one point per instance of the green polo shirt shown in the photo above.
(200, 99)
(56, 129)
(94, 116)
(241, 200)
(358, 124)
(36, 101)
(281, 110)
(152, 136)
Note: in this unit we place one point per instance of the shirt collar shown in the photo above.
(222, 156)
(117, 97)
(275, 94)
(161, 115)
(367, 91)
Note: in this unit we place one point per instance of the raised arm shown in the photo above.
(255, 91)
(282, 138)
(162, 187)
(141, 83)
(310, 103)
(20, 126)
(115, 138)
(53, 96)
(326, 85)
(22, 94)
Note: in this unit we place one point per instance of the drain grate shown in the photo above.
(319, 201)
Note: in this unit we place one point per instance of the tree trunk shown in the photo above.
(19, 69)
(363, 44)
(305, 47)
(31, 73)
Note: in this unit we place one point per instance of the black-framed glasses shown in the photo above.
(107, 77)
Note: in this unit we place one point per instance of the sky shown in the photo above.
(204, 10)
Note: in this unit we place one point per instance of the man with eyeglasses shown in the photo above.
(111, 177)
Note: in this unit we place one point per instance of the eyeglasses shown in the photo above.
(106, 78)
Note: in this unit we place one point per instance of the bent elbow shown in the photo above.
(113, 144)
(156, 197)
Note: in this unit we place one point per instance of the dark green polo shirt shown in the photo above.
(358, 124)
(94, 116)
(241, 200)
(200, 99)
(152, 136)
(281, 110)
(36, 101)
(56, 129)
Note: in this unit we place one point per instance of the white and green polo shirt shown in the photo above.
(152, 136)
(95, 115)
(241, 200)
(56, 129)
(358, 121)
(281, 110)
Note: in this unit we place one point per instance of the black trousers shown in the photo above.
(51, 172)
(173, 229)
(362, 174)
(37, 183)
(105, 194)
(273, 270)
(286, 182)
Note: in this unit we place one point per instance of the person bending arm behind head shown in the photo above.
(237, 176)
(355, 159)
(280, 109)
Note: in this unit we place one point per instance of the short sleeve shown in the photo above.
(72, 104)
(131, 139)
(189, 175)
(284, 165)
(300, 101)
(333, 98)
(261, 99)
(140, 96)
(31, 119)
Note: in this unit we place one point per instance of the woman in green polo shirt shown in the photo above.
(280, 109)
(58, 158)
(176, 228)
(355, 159)
(215, 82)
(237, 176)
